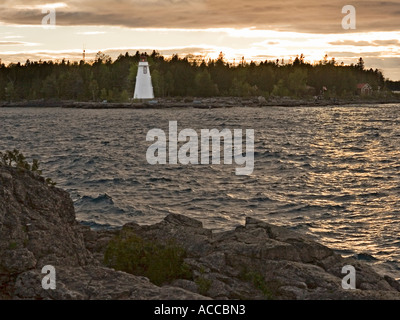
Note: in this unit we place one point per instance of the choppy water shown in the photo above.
(332, 172)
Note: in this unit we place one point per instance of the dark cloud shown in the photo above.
(312, 16)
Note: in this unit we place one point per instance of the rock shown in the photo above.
(292, 292)
(214, 260)
(263, 261)
(180, 220)
(254, 261)
(96, 283)
(18, 260)
(185, 284)
(218, 289)
(40, 220)
(392, 282)
(38, 228)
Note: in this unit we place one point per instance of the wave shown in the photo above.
(102, 203)
(294, 208)
(266, 153)
(98, 226)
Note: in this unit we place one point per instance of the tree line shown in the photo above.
(114, 81)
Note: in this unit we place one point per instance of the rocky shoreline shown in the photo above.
(200, 103)
(255, 261)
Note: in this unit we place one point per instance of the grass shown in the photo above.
(258, 281)
(13, 245)
(161, 263)
(203, 285)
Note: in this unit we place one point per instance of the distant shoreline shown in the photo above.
(198, 103)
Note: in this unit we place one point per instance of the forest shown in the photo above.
(188, 76)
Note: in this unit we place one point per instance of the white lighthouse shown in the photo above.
(143, 87)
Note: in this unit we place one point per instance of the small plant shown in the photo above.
(161, 263)
(203, 285)
(18, 160)
(13, 245)
(202, 270)
(35, 166)
(258, 281)
(50, 182)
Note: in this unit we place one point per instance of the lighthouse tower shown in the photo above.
(143, 87)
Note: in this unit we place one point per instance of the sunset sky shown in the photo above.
(257, 30)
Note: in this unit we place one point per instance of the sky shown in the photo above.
(257, 30)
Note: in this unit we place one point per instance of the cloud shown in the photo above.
(373, 43)
(91, 33)
(351, 43)
(17, 43)
(76, 55)
(10, 43)
(311, 16)
(343, 54)
(387, 42)
(41, 6)
(13, 37)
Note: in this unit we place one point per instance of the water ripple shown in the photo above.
(332, 172)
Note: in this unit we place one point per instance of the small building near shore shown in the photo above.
(364, 89)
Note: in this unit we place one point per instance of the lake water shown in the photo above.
(332, 172)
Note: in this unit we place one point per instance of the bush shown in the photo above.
(161, 263)
(18, 160)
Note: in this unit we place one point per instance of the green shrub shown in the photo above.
(12, 245)
(18, 160)
(258, 281)
(161, 263)
(203, 285)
